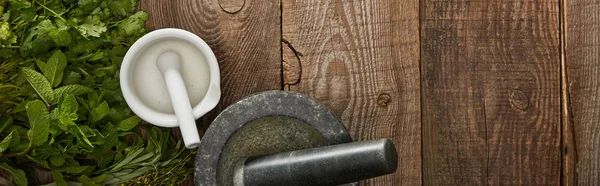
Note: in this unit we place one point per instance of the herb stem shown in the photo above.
(52, 11)
(9, 155)
(10, 46)
(85, 57)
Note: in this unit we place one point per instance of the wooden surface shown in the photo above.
(582, 49)
(471, 92)
(360, 58)
(245, 38)
(491, 96)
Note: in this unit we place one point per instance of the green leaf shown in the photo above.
(74, 90)
(73, 169)
(128, 123)
(110, 137)
(17, 175)
(39, 83)
(81, 136)
(122, 7)
(68, 112)
(99, 179)
(58, 178)
(130, 156)
(105, 161)
(61, 36)
(16, 140)
(39, 121)
(87, 181)
(93, 30)
(58, 160)
(38, 39)
(134, 24)
(69, 105)
(54, 69)
(100, 112)
(5, 121)
(88, 5)
(6, 141)
(22, 9)
(7, 36)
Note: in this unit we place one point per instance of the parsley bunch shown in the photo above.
(60, 104)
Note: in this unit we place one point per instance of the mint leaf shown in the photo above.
(58, 178)
(7, 141)
(54, 69)
(58, 160)
(39, 83)
(87, 181)
(100, 111)
(65, 121)
(39, 122)
(99, 179)
(17, 175)
(73, 169)
(16, 140)
(110, 137)
(69, 105)
(5, 121)
(81, 136)
(128, 123)
(74, 90)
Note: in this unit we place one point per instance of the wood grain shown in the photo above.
(361, 59)
(582, 57)
(244, 35)
(490, 92)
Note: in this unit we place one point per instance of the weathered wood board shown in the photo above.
(582, 59)
(470, 91)
(360, 58)
(490, 77)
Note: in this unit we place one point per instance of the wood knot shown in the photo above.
(384, 99)
(518, 100)
(232, 6)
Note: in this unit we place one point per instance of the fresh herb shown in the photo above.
(60, 104)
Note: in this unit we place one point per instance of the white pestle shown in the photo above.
(169, 64)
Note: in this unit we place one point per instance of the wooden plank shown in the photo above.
(582, 58)
(360, 58)
(491, 92)
(244, 35)
(567, 147)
